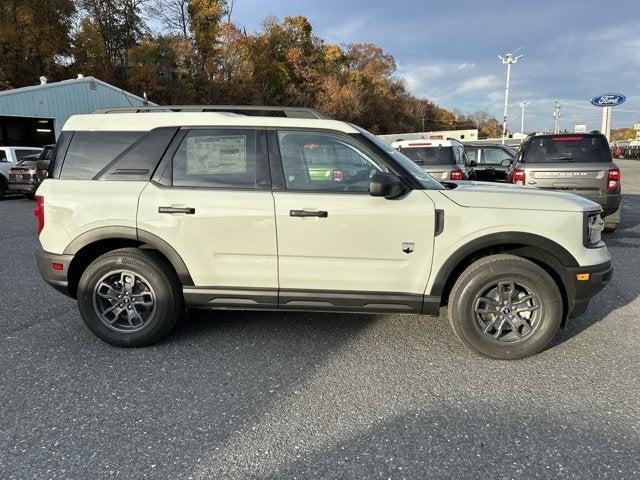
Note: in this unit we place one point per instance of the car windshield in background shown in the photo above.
(426, 180)
(568, 148)
(429, 155)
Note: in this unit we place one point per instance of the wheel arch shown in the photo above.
(90, 245)
(546, 253)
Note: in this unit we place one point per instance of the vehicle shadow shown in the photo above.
(430, 444)
(624, 246)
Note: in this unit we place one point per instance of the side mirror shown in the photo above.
(385, 185)
(472, 163)
(506, 163)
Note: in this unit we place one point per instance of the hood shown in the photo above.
(516, 197)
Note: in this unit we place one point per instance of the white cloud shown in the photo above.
(464, 65)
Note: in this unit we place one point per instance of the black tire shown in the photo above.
(3, 187)
(505, 271)
(152, 269)
(610, 227)
(30, 196)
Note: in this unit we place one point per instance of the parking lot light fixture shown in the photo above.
(508, 59)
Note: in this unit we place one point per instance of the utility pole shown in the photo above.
(507, 60)
(524, 106)
(556, 115)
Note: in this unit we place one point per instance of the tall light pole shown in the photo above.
(524, 106)
(507, 60)
(556, 115)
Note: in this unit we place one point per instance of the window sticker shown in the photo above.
(216, 154)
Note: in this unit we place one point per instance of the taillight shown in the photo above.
(38, 212)
(613, 179)
(518, 176)
(456, 175)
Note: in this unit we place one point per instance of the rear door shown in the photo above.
(211, 201)
(339, 247)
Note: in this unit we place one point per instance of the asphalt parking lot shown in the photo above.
(288, 395)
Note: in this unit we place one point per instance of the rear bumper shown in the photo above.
(584, 290)
(23, 187)
(56, 278)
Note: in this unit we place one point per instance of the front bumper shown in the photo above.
(583, 290)
(58, 279)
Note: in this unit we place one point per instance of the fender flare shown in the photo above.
(520, 239)
(131, 233)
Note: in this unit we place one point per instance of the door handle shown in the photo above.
(308, 213)
(187, 210)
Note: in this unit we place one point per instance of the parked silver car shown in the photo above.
(574, 163)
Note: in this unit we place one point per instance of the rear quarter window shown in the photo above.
(90, 152)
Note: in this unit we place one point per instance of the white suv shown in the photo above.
(443, 158)
(149, 211)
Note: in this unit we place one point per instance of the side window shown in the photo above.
(90, 152)
(218, 158)
(3, 156)
(472, 154)
(316, 161)
(495, 156)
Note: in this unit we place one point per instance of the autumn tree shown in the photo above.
(34, 39)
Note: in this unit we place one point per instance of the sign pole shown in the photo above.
(606, 122)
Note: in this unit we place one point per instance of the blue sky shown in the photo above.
(446, 51)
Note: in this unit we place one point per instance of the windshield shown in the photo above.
(429, 155)
(426, 180)
(568, 148)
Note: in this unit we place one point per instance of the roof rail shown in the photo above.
(291, 112)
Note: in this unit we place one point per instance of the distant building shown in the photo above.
(470, 135)
(35, 115)
(636, 127)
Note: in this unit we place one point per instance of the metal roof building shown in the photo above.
(57, 101)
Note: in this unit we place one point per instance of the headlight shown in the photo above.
(593, 227)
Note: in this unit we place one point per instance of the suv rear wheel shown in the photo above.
(505, 307)
(130, 297)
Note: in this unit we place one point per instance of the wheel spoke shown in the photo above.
(133, 313)
(514, 324)
(145, 299)
(499, 328)
(490, 305)
(489, 326)
(110, 294)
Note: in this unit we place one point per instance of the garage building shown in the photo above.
(34, 116)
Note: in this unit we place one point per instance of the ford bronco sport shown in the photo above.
(575, 163)
(149, 211)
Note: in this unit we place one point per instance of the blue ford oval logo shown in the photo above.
(608, 100)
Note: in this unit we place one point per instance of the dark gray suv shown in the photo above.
(574, 163)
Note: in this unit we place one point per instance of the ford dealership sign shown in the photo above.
(608, 100)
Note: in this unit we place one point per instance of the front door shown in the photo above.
(339, 247)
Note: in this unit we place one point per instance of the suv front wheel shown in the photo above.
(505, 307)
(130, 297)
